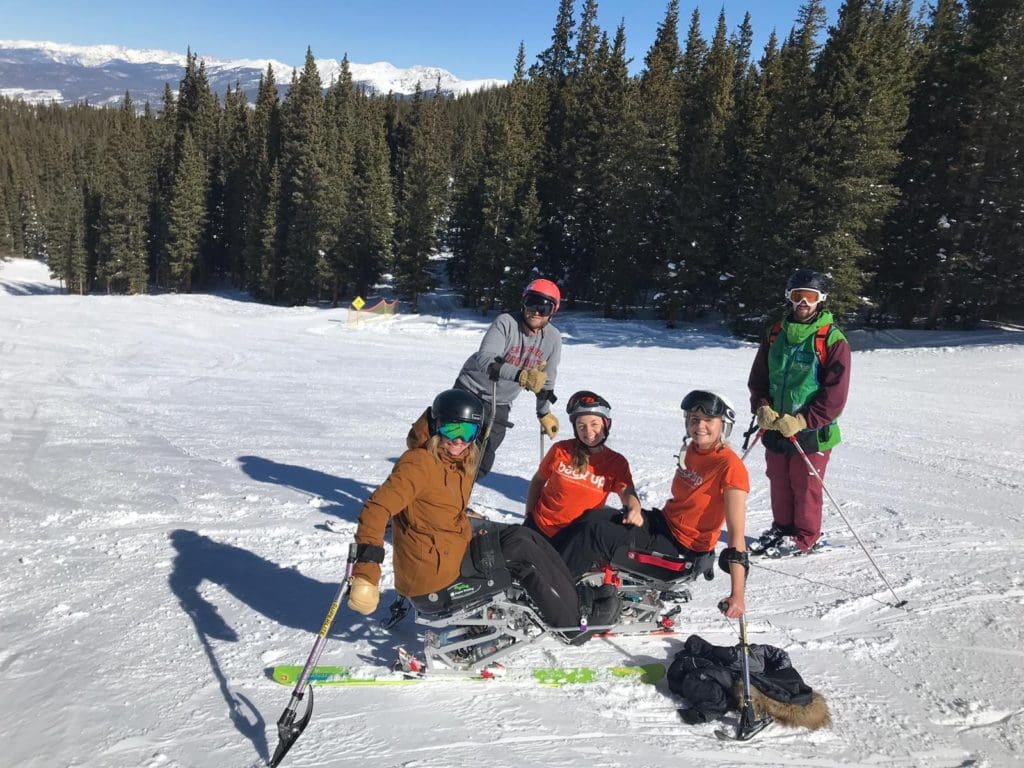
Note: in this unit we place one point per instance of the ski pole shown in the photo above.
(757, 438)
(813, 471)
(288, 730)
(749, 724)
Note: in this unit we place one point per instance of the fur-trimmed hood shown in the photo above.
(709, 678)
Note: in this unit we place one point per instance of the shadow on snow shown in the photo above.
(282, 595)
(346, 496)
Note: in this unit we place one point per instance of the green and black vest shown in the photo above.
(795, 360)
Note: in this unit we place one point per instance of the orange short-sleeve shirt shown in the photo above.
(696, 511)
(567, 494)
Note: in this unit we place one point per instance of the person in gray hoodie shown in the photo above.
(518, 352)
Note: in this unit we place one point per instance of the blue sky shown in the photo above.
(470, 38)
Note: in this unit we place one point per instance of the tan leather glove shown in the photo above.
(363, 595)
(766, 415)
(534, 378)
(549, 424)
(789, 425)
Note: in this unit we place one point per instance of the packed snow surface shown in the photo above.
(169, 465)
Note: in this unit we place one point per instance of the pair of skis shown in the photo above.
(650, 674)
(291, 724)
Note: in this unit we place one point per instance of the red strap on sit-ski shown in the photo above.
(660, 562)
(611, 577)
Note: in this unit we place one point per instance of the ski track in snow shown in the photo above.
(169, 466)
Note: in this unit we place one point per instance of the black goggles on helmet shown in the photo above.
(541, 305)
(588, 402)
(708, 402)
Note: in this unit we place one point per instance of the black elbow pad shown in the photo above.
(369, 553)
(732, 555)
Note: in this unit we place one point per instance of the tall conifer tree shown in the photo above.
(423, 197)
(186, 219)
(302, 213)
(862, 83)
(917, 271)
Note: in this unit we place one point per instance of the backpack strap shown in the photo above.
(820, 339)
(821, 342)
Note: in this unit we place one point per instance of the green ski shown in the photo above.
(288, 674)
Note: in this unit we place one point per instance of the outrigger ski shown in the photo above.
(288, 674)
(745, 731)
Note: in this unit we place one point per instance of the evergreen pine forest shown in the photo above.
(886, 151)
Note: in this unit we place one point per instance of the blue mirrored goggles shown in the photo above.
(459, 430)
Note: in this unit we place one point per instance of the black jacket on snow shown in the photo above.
(705, 676)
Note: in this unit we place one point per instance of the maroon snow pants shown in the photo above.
(796, 494)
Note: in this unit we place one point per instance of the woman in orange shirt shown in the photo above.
(577, 475)
(709, 488)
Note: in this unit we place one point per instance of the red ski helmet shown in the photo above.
(544, 289)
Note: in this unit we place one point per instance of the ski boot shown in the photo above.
(771, 537)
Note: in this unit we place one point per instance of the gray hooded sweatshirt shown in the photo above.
(508, 341)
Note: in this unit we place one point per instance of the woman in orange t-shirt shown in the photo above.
(577, 475)
(709, 488)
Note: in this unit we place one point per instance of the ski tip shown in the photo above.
(901, 604)
(280, 674)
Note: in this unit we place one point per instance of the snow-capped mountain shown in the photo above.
(100, 74)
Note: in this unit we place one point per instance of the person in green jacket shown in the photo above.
(798, 386)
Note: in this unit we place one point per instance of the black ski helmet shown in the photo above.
(711, 405)
(587, 402)
(807, 278)
(457, 405)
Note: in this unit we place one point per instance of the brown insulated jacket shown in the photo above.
(425, 498)
(419, 432)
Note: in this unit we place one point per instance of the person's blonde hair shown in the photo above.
(469, 458)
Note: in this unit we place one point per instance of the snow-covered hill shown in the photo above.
(168, 465)
(47, 71)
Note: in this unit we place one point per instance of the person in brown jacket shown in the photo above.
(425, 498)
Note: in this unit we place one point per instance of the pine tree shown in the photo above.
(339, 159)
(778, 221)
(162, 148)
(122, 250)
(660, 109)
(197, 114)
(987, 239)
(370, 210)
(582, 98)
(263, 144)
(917, 271)
(69, 261)
(271, 237)
(701, 217)
(302, 212)
(555, 181)
(237, 173)
(186, 219)
(672, 273)
(503, 242)
(748, 224)
(618, 276)
(465, 222)
(423, 196)
(862, 79)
